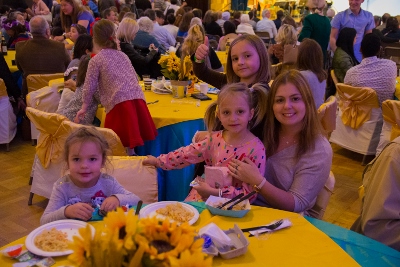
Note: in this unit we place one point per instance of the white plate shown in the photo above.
(150, 210)
(70, 227)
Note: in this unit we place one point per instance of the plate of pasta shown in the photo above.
(52, 239)
(172, 210)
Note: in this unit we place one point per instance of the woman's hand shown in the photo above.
(245, 170)
(152, 161)
(59, 38)
(110, 203)
(153, 47)
(82, 211)
(202, 50)
(71, 84)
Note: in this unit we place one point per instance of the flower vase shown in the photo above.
(179, 88)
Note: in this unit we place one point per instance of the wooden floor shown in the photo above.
(18, 219)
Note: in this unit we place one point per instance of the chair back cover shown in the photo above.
(135, 177)
(327, 115)
(37, 81)
(356, 104)
(52, 135)
(391, 122)
(318, 210)
(3, 89)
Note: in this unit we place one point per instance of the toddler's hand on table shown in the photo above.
(110, 203)
(151, 161)
(82, 211)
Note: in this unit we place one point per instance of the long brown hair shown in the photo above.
(256, 98)
(264, 72)
(311, 125)
(310, 57)
(104, 34)
(68, 20)
(185, 23)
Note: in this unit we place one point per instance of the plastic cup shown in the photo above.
(204, 88)
(147, 82)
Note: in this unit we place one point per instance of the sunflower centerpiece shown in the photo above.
(128, 241)
(180, 73)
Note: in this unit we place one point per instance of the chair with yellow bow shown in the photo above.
(49, 164)
(42, 97)
(327, 115)
(359, 121)
(391, 122)
(8, 120)
(319, 208)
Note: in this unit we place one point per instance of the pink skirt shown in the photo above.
(132, 122)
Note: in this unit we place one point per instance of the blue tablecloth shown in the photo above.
(173, 185)
(366, 251)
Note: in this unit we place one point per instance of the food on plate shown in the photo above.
(52, 240)
(240, 206)
(176, 212)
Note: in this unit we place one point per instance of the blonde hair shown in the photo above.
(87, 134)
(256, 98)
(311, 125)
(104, 34)
(244, 18)
(287, 34)
(193, 40)
(264, 72)
(127, 30)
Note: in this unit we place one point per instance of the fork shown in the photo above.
(271, 227)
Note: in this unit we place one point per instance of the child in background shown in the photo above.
(112, 74)
(76, 195)
(229, 120)
(76, 31)
(75, 103)
(247, 61)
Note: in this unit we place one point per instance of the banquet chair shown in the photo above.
(359, 120)
(318, 210)
(327, 115)
(391, 122)
(48, 163)
(334, 78)
(37, 81)
(393, 53)
(8, 120)
(265, 37)
(45, 99)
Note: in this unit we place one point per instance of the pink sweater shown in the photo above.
(112, 73)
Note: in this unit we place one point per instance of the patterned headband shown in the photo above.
(10, 24)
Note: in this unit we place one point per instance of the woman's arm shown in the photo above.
(135, 57)
(43, 9)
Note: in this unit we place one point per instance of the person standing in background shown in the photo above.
(354, 17)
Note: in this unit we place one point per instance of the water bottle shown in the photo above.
(3, 46)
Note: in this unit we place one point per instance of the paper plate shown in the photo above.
(150, 210)
(70, 227)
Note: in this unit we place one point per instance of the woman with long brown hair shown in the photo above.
(299, 157)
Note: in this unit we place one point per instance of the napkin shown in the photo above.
(217, 235)
(286, 223)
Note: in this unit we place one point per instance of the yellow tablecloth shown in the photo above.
(300, 245)
(164, 112)
(9, 58)
(397, 92)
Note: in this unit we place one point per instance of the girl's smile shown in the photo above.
(245, 61)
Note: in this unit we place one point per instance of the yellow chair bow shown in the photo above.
(356, 104)
(52, 135)
(3, 89)
(391, 114)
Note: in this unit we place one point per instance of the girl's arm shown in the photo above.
(56, 206)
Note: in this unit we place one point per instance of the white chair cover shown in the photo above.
(8, 121)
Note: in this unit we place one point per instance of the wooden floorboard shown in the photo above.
(18, 219)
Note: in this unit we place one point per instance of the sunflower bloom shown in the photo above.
(81, 246)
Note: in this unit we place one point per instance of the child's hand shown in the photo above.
(71, 84)
(204, 189)
(110, 203)
(202, 50)
(82, 211)
(152, 161)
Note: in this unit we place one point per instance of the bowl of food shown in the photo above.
(238, 211)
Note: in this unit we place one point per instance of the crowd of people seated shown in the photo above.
(129, 38)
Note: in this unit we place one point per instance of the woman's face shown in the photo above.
(289, 107)
(66, 7)
(20, 19)
(74, 34)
